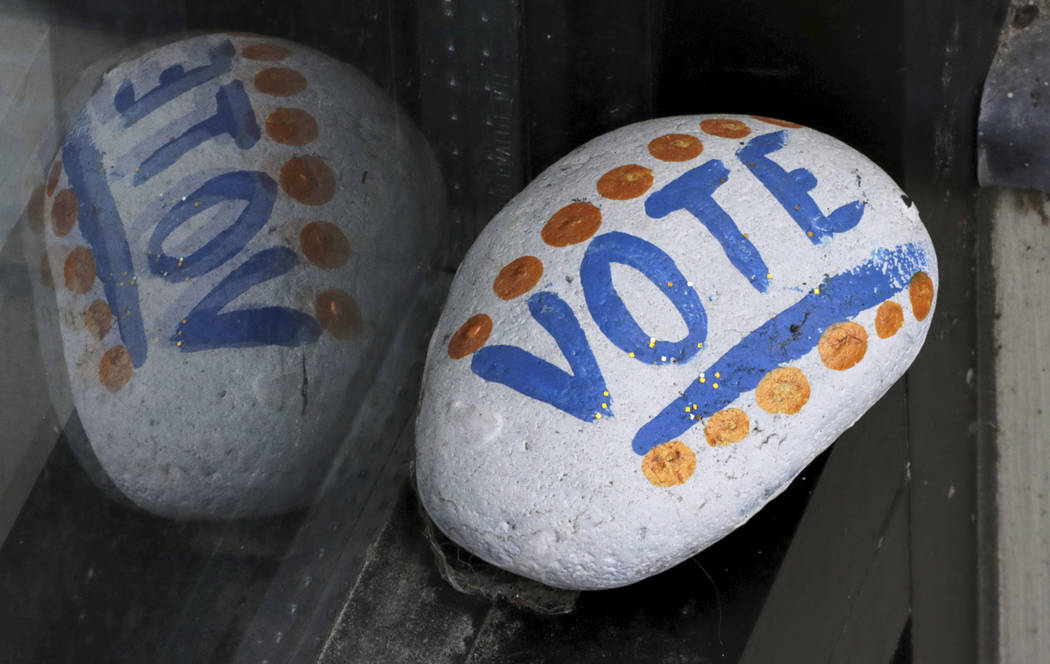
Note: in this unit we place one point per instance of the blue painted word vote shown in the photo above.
(583, 392)
(203, 326)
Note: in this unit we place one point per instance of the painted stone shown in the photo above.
(234, 226)
(662, 330)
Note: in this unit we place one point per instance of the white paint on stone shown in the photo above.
(561, 496)
(229, 425)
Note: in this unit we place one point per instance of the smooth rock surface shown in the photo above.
(662, 330)
(234, 228)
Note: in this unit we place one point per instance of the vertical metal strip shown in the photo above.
(470, 108)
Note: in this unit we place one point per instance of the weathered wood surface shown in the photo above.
(1021, 256)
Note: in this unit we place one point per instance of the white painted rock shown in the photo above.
(648, 343)
(235, 226)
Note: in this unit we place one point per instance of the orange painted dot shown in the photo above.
(291, 126)
(52, 177)
(726, 426)
(338, 314)
(921, 293)
(280, 82)
(888, 319)
(783, 390)
(115, 370)
(64, 212)
(625, 182)
(843, 345)
(268, 52)
(676, 147)
(98, 318)
(779, 123)
(80, 270)
(471, 336)
(572, 224)
(518, 277)
(35, 210)
(725, 128)
(308, 180)
(669, 464)
(324, 244)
